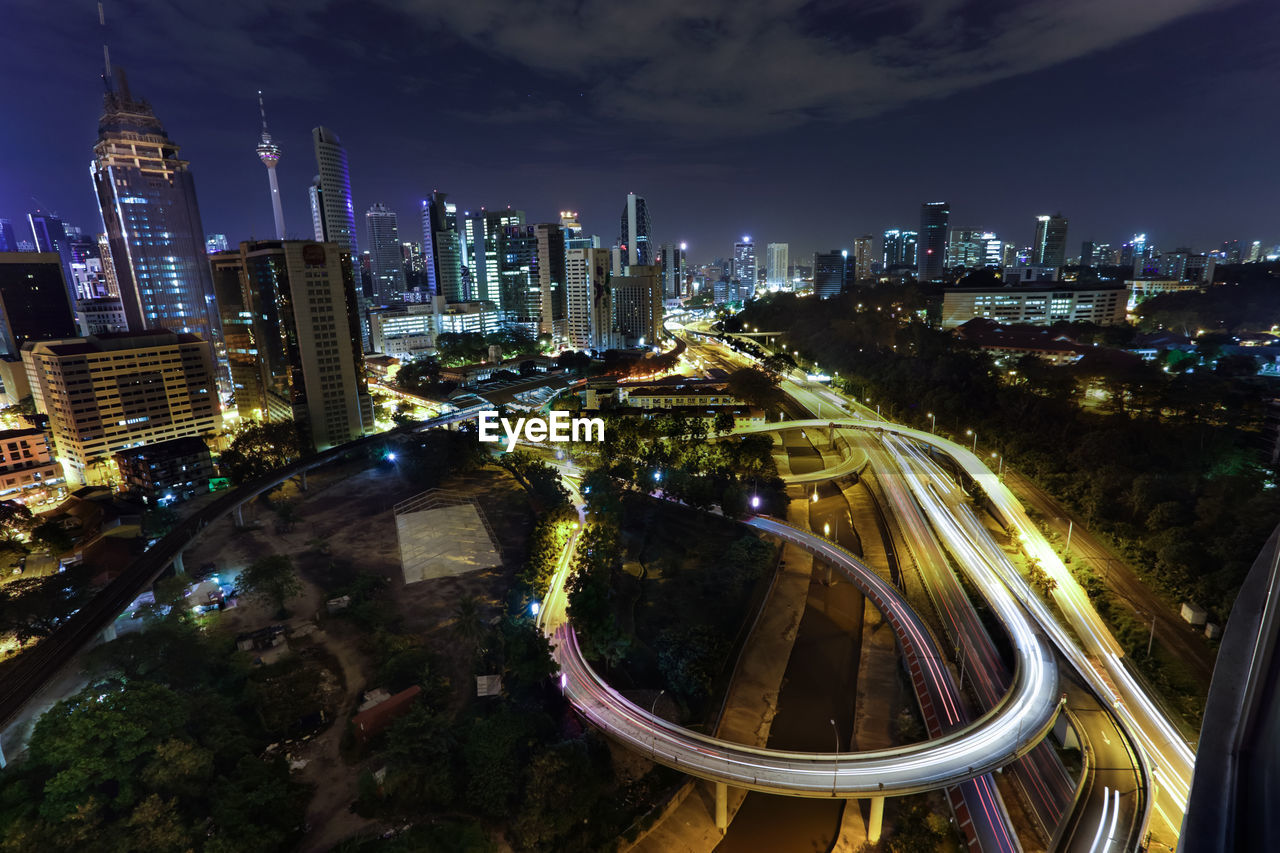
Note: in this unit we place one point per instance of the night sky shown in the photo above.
(800, 122)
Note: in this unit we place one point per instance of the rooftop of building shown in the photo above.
(173, 448)
(7, 434)
(112, 341)
(1039, 287)
(985, 332)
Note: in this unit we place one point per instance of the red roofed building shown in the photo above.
(373, 722)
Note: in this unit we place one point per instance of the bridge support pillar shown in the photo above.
(876, 821)
(178, 567)
(303, 484)
(108, 634)
(240, 515)
(722, 807)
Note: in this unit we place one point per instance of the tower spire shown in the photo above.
(106, 52)
(269, 154)
(262, 108)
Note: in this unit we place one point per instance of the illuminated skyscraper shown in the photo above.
(673, 270)
(291, 314)
(269, 154)
(863, 252)
(147, 198)
(332, 214)
(900, 248)
(386, 257)
(442, 249)
(744, 266)
(51, 236)
(635, 231)
(829, 273)
(589, 300)
(935, 222)
(777, 262)
(1050, 247)
(216, 243)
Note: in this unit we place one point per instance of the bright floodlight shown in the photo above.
(391, 457)
(534, 608)
(755, 501)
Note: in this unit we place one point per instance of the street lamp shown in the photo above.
(835, 774)
(975, 439)
(755, 501)
(933, 423)
(653, 743)
(1000, 472)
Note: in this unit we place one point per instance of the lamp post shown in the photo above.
(975, 439)
(835, 774)
(1000, 470)
(933, 423)
(653, 743)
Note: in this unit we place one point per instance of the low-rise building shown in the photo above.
(167, 472)
(1017, 341)
(1036, 305)
(27, 467)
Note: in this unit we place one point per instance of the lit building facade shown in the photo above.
(777, 266)
(674, 271)
(900, 248)
(1050, 247)
(588, 298)
(147, 197)
(293, 327)
(101, 316)
(386, 256)
(635, 231)
(1036, 305)
(27, 466)
(637, 306)
(863, 257)
(107, 393)
(333, 216)
(829, 273)
(442, 249)
(744, 263)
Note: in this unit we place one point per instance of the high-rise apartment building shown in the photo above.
(107, 393)
(531, 274)
(1050, 247)
(589, 302)
(900, 248)
(442, 249)
(935, 223)
(215, 243)
(637, 306)
(333, 216)
(291, 313)
(147, 197)
(33, 301)
(386, 257)
(777, 265)
(863, 257)
(635, 232)
(744, 264)
(269, 153)
(829, 273)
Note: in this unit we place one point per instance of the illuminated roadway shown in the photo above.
(1009, 730)
(1096, 655)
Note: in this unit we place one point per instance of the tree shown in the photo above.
(539, 479)
(15, 521)
(272, 579)
(755, 386)
(723, 423)
(32, 608)
(260, 449)
(468, 625)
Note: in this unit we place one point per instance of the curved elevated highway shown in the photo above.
(1007, 731)
(1089, 646)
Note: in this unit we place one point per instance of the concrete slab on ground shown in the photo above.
(444, 542)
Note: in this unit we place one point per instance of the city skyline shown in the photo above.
(1181, 191)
